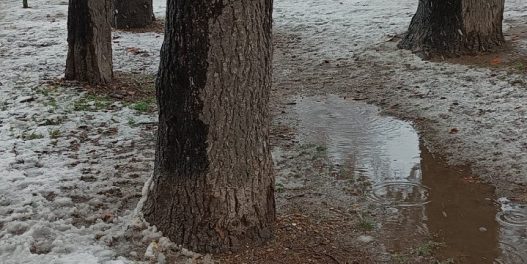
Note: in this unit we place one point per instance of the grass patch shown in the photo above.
(136, 90)
(144, 106)
(519, 66)
(279, 188)
(400, 259)
(47, 89)
(3, 106)
(55, 133)
(31, 136)
(366, 224)
(53, 122)
(313, 150)
(92, 103)
(427, 248)
(52, 103)
(132, 122)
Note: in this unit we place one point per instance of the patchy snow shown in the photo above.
(69, 179)
(353, 38)
(334, 29)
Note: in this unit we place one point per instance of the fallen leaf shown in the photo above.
(470, 179)
(107, 217)
(134, 51)
(454, 131)
(496, 61)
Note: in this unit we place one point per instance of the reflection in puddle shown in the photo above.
(512, 218)
(513, 232)
(400, 194)
(421, 196)
(356, 136)
(510, 255)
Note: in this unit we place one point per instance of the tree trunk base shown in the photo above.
(455, 27)
(129, 14)
(213, 185)
(232, 225)
(89, 42)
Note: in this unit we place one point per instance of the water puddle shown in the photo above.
(400, 194)
(514, 218)
(418, 194)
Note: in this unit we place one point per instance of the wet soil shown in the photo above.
(125, 87)
(511, 57)
(356, 186)
(399, 202)
(353, 185)
(443, 99)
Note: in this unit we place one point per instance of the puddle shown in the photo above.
(357, 137)
(512, 218)
(419, 195)
(513, 232)
(400, 194)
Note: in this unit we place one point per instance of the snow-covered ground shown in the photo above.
(69, 179)
(344, 47)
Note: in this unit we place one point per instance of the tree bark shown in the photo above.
(213, 185)
(455, 27)
(128, 14)
(89, 42)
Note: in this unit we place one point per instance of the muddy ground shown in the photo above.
(74, 158)
(341, 233)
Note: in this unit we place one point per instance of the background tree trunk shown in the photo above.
(132, 13)
(453, 27)
(24, 4)
(213, 187)
(89, 42)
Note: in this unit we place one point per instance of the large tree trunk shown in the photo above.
(213, 186)
(132, 13)
(454, 27)
(89, 42)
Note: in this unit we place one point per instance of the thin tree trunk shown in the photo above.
(24, 4)
(213, 186)
(454, 27)
(132, 13)
(89, 42)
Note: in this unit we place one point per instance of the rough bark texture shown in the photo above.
(132, 13)
(213, 186)
(89, 42)
(453, 27)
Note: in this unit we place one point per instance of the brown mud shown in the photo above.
(355, 186)
(338, 157)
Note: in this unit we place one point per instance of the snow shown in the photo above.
(67, 198)
(486, 106)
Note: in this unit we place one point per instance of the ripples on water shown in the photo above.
(400, 194)
(510, 255)
(358, 137)
(513, 233)
(512, 218)
(422, 195)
